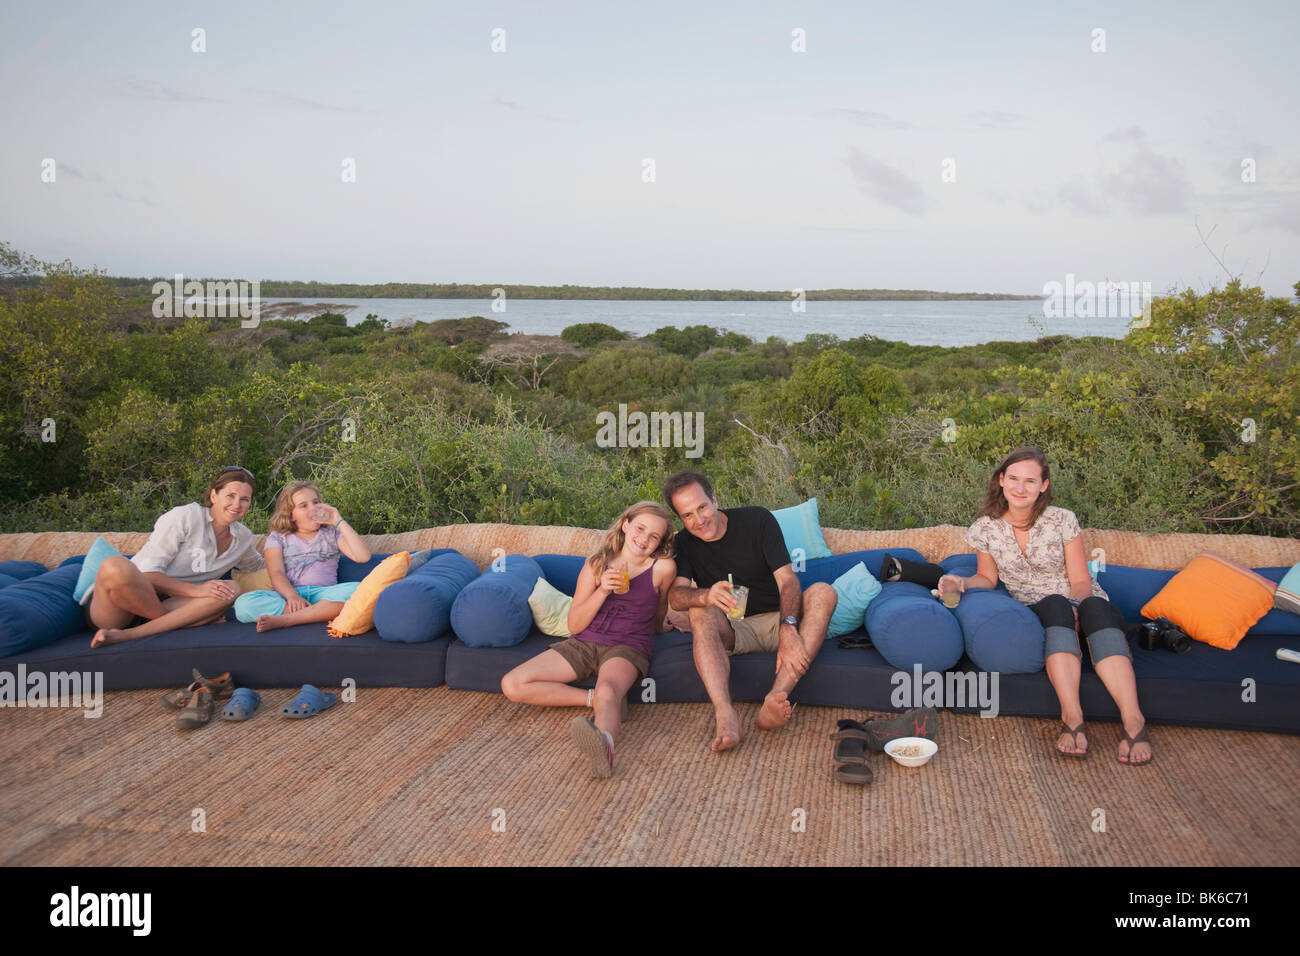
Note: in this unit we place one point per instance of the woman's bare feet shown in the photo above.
(1134, 747)
(1068, 742)
(107, 635)
(775, 711)
(728, 732)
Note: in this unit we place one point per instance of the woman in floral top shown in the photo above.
(1037, 551)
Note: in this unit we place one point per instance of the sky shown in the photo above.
(990, 147)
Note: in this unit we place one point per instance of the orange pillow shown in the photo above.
(1213, 600)
(358, 614)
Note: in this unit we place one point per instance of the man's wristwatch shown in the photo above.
(791, 620)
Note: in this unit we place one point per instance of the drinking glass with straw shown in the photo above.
(740, 594)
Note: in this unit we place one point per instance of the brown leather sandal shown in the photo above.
(220, 688)
(1139, 738)
(1074, 739)
(198, 710)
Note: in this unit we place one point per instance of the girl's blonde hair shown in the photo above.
(612, 546)
(282, 516)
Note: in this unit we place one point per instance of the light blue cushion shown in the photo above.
(802, 530)
(100, 550)
(854, 590)
(1288, 591)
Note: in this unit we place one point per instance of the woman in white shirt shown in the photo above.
(1037, 551)
(172, 581)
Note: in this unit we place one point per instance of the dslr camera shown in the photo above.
(1163, 634)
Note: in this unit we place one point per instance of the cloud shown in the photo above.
(303, 103)
(138, 200)
(885, 183)
(1148, 182)
(998, 119)
(153, 90)
(75, 173)
(1140, 181)
(868, 119)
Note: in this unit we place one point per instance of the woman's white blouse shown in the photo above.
(184, 546)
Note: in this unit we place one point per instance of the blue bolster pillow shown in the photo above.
(492, 610)
(22, 570)
(417, 608)
(908, 626)
(1002, 635)
(39, 610)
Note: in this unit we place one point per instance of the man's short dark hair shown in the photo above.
(684, 479)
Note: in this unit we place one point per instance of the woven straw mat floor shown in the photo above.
(406, 776)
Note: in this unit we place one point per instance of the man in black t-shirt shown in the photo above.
(743, 546)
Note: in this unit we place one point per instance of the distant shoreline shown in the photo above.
(280, 289)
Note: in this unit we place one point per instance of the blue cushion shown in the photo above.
(100, 550)
(802, 530)
(492, 610)
(22, 570)
(908, 626)
(1001, 634)
(350, 570)
(561, 570)
(75, 559)
(854, 591)
(7, 579)
(39, 610)
(418, 607)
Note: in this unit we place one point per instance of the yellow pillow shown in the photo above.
(358, 614)
(1213, 600)
(550, 608)
(252, 580)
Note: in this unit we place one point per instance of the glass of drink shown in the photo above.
(951, 595)
(320, 513)
(741, 595)
(624, 581)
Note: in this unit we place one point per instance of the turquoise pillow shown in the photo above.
(100, 550)
(854, 590)
(802, 529)
(1287, 596)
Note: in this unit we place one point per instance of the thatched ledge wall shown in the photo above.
(480, 541)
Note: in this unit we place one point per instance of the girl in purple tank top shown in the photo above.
(618, 606)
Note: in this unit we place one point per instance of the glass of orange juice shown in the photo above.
(625, 582)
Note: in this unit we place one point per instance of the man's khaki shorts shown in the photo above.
(757, 632)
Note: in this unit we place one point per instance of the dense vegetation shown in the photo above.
(112, 416)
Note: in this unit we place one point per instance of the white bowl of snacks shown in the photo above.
(912, 751)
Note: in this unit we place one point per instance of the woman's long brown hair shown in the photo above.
(995, 502)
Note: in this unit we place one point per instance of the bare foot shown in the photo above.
(728, 733)
(775, 711)
(269, 622)
(107, 635)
